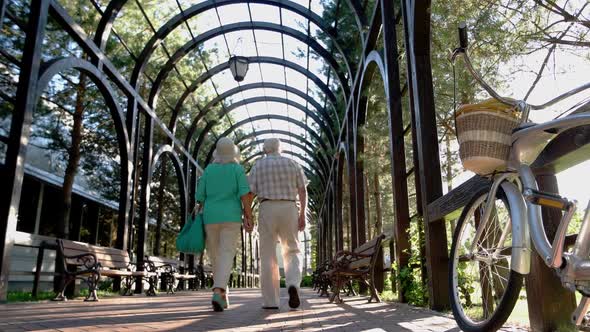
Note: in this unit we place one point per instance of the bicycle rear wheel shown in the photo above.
(483, 288)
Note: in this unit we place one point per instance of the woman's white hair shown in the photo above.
(226, 152)
(272, 145)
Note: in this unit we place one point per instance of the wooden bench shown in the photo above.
(89, 263)
(321, 281)
(356, 265)
(168, 269)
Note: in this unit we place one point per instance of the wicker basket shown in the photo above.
(484, 132)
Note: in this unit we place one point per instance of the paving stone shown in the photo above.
(190, 311)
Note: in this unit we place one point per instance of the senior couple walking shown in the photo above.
(226, 194)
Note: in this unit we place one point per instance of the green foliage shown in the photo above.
(306, 281)
(413, 289)
(28, 297)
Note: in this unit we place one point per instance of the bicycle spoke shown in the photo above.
(483, 275)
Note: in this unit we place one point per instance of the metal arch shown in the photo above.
(275, 131)
(197, 9)
(105, 26)
(359, 16)
(291, 135)
(307, 161)
(293, 143)
(262, 117)
(246, 87)
(373, 61)
(169, 151)
(316, 157)
(51, 68)
(47, 72)
(193, 43)
(320, 163)
(285, 101)
(277, 86)
(256, 59)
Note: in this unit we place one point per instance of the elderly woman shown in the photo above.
(224, 193)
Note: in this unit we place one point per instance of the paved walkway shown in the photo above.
(190, 311)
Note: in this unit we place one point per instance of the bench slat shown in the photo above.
(364, 262)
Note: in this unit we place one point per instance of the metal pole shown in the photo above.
(146, 173)
(22, 117)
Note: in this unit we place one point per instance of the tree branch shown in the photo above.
(565, 42)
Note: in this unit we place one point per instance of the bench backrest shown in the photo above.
(162, 261)
(368, 248)
(107, 257)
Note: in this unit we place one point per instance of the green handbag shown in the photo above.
(191, 238)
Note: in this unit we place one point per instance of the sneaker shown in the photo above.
(218, 302)
(293, 297)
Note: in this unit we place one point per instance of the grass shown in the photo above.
(28, 296)
(15, 297)
(388, 296)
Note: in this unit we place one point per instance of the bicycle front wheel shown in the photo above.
(483, 288)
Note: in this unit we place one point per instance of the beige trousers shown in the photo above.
(278, 222)
(222, 240)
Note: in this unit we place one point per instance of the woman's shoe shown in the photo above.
(218, 302)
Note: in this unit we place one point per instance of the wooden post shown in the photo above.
(352, 186)
(401, 242)
(550, 305)
(417, 28)
(379, 273)
(338, 203)
(360, 185)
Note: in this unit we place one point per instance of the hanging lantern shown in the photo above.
(239, 67)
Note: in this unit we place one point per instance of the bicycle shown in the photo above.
(493, 236)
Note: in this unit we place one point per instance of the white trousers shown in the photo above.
(277, 221)
(222, 240)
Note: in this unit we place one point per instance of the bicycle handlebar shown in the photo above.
(522, 105)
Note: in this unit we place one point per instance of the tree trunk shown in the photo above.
(378, 209)
(160, 216)
(63, 230)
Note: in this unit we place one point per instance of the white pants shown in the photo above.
(222, 241)
(278, 221)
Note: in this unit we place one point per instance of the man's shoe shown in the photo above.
(293, 297)
(271, 308)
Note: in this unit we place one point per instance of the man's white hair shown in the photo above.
(272, 145)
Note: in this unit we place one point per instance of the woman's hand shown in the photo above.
(248, 223)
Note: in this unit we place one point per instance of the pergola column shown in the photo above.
(20, 128)
(401, 225)
(146, 174)
(417, 28)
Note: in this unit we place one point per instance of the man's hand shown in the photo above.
(302, 207)
(301, 222)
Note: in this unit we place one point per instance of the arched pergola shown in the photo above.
(321, 92)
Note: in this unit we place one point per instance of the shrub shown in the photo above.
(306, 282)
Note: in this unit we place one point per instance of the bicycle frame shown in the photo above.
(527, 223)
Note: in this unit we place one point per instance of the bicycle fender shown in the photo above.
(521, 243)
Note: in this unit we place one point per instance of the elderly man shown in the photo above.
(278, 181)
